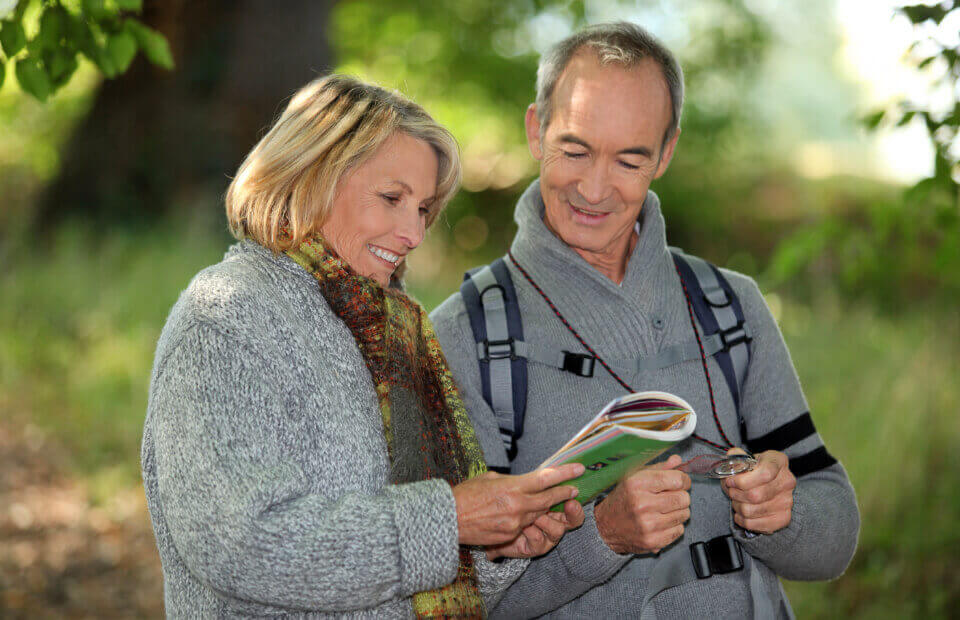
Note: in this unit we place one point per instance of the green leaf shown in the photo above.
(130, 5)
(873, 120)
(919, 13)
(53, 27)
(12, 37)
(96, 9)
(906, 118)
(121, 48)
(153, 44)
(82, 39)
(3, 70)
(33, 78)
(60, 63)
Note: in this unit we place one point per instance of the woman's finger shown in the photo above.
(544, 500)
(550, 527)
(540, 479)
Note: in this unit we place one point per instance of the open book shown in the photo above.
(628, 433)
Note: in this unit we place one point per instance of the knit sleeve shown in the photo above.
(247, 521)
(581, 560)
(821, 538)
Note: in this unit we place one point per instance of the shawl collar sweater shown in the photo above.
(643, 315)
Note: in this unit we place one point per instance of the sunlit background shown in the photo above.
(786, 170)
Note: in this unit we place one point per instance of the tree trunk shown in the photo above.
(156, 140)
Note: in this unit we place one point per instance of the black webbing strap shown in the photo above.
(784, 436)
(789, 434)
(812, 461)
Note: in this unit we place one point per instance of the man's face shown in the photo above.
(601, 150)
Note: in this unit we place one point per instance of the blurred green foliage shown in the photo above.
(44, 37)
(897, 251)
(472, 63)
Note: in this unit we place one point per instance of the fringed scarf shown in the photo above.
(425, 422)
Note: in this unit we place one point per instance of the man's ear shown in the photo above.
(533, 132)
(667, 154)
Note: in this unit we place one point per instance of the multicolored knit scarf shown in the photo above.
(425, 422)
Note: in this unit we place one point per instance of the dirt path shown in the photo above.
(61, 557)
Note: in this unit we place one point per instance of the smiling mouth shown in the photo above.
(384, 255)
(587, 212)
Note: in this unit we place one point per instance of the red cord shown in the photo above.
(703, 357)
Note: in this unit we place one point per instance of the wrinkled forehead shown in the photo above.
(611, 99)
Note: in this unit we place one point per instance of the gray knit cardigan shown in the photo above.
(647, 313)
(265, 466)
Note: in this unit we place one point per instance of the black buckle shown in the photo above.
(734, 336)
(497, 350)
(579, 364)
(716, 556)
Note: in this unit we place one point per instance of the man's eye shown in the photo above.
(573, 155)
(629, 166)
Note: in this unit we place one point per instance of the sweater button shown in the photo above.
(658, 323)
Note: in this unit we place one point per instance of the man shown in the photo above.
(591, 236)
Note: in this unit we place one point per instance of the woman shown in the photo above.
(305, 449)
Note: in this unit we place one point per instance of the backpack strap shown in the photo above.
(491, 303)
(720, 314)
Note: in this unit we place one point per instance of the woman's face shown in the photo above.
(379, 213)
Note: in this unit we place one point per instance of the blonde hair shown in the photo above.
(330, 126)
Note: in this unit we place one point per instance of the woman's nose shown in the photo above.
(410, 227)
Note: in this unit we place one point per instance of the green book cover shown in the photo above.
(628, 433)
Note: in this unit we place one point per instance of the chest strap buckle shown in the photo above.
(716, 556)
(578, 363)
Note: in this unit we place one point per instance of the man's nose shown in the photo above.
(594, 186)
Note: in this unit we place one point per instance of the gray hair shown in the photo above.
(622, 43)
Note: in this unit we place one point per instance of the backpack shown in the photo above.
(502, 353)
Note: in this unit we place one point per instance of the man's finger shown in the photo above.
(665, 480)
(755, 495)
(672, 501)
(671, 463)
(762, 525)
(768, 467)
(781, 485)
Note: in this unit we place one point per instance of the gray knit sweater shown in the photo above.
(265, 466)
(582, 577)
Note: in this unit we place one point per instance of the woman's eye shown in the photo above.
(391, 198)
(424, 211)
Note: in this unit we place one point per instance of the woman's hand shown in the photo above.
(543, 535)
(494, 509)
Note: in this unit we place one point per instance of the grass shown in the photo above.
(79, 322)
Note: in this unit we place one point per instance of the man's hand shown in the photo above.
(543, 535)
(763, 498)
(646, 511)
